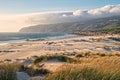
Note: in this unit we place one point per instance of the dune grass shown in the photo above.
(35, 72)
(97, 69)
(62, 58)
(8, 71)
(86, 68)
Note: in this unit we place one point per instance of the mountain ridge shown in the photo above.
(69, 27)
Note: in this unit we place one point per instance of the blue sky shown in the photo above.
(30, 6)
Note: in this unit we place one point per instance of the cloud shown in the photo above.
(78, 13)
(108, 10)
(16, 22)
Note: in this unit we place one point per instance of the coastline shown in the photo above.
(67, 36)
(38, 39)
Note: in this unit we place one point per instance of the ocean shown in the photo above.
(17, 37)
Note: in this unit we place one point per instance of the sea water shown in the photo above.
(17, 37)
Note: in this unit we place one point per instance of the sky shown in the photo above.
(29, 6)
(15, 14)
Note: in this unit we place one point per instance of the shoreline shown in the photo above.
(38, 39)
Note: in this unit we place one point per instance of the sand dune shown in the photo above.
(68, 45)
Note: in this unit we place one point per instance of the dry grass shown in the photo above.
(103, 68)
(88, 67)
(8, 71)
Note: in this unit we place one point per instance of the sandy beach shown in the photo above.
(94, 44)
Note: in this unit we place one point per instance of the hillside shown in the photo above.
(95, 24)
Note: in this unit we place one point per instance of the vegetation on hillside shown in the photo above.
(113, 28)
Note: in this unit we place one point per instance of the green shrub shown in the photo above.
(117, 54)
(87, 54)
(79, 55)
(102, 54)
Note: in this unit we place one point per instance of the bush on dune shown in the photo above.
(49, 57)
